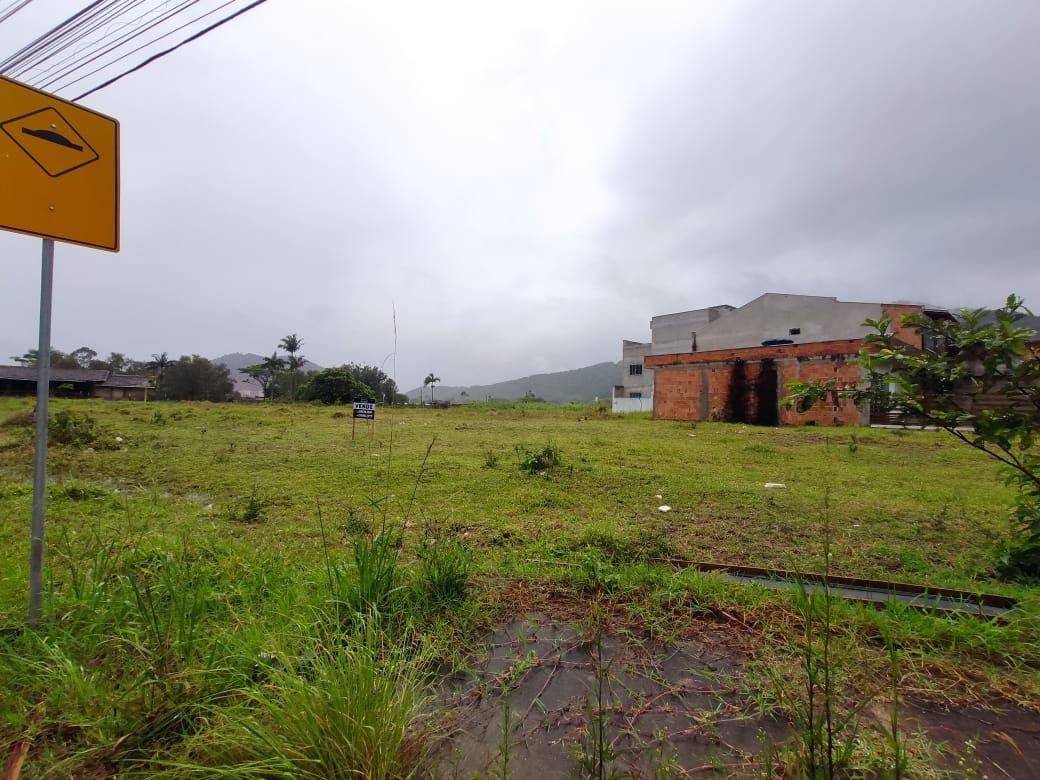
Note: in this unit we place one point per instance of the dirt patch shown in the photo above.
(686, 705)
(19, 420)
(665, 705)
(1000, 740)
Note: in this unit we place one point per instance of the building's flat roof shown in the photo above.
(693, 311)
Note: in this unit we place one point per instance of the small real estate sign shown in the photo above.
(364, 410)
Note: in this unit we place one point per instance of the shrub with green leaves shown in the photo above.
(335, 386)
(78, 429)
(537, 461)
(978, 378)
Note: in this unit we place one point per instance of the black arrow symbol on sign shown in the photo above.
(52, 137)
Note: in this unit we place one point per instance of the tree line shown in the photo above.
(279, 377)
(87, 358)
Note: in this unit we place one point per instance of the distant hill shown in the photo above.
(239, 360)
(575, 386)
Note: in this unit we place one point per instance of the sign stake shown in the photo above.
(43, 389)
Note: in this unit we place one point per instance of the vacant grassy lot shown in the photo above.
(201, 558)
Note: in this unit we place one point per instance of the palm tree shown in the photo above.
(293, 344)
(269, 369)
(431, 380)
(159, 363)
(274, 363)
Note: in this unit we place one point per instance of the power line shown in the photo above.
(47, 38)
(146, 45)
(119, 42)
(111, 17)
(96, 37)
(172, 49)
(70, 36)
(12, 9)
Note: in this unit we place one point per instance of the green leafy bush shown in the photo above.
(976, 376)
(335, 386)
(536, 461)
(78, 429)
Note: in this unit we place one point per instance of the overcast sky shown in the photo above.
(530, 182)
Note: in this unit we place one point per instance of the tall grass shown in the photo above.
(194, 659)
(353, 710)
(443, 576)
(371, 585)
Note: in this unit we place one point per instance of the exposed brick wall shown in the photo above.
(677, 394)
(720, 379)
(841, 370)
(908, 335)
(720, 386)
(688, 387)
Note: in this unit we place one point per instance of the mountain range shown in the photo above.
(580, 385)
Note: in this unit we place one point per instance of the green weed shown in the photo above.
(538, 461)
(354, 710)
(443, 574)
(251, 512)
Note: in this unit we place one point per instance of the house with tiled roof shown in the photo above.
(77, 383)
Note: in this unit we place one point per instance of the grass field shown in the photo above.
(199, 556)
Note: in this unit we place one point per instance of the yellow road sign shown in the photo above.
(59, 168)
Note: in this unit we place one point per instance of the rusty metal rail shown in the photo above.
(879, 592)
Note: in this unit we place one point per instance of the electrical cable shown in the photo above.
(119, 42)
(44, 40)
(12, 9)
(160, 55)
(59, 58)
(146, 45)
(111, 18)
(72, 37)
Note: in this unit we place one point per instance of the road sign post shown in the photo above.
(43, 392)
(59, 164)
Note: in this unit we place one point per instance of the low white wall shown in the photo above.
(626, 405)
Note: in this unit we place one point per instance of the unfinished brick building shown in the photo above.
(738, 366)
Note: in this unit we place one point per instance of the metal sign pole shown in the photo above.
(43, 387)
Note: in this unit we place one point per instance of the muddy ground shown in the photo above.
(672, 709)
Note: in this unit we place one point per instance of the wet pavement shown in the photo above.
(664, 706)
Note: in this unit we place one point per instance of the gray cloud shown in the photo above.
(529, 185)
(870, 150)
